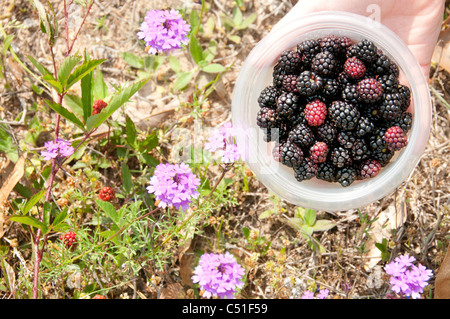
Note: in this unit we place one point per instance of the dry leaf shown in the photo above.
(441, 54)
(173, 291)
(442, 282)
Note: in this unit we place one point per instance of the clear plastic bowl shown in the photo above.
(256, 74)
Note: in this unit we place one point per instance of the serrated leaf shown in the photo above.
(131, 131)
(42, 69)
(53, 82)
(183, 80)
(87, 98)
(32, 201)
(82, 70)
(61, 110)
(28, 220)
(109, 210)
(66, 68)
(60, 217)
(214, 68)
(117, 101)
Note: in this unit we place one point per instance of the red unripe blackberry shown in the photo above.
(107, 194)
(97, 106)
(354, 68)
(370, 168)
(395, 138)
(369, 90)
(315, 112)
(97, 296)
(69, 239)
(318, 152)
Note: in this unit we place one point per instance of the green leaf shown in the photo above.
(195, 49)
(237, 16)
(7, 43)
(82, 70)
(42, 69)
(267, 213)
(174, 64)
(214, 68)
(132, 60)
(53, 82)
(33, 201)
(131, 132)
(235, 38)
(309, 217)
(60, 217)
(61, 110)
(28, 220)
(108, 209)
(118, 100)
(323, 225)
(66, 68)
(126, 178)
(87, 98)
(194, 21)
(100, 89)
(246, 232)
(249, 20)
(183, 80)
(75, 104)
(47, 213)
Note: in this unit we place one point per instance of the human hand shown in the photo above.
(417, 23)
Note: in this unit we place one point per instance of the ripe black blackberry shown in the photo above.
(307, 50)
(278, 76)
(289, 83)
(287, 105)
(364, 126)
(290, 154)
(333, 44)
(344, 115)
(267, 118)
(346, 139)
(389, 82)
(326, 171)
(383, 156)
(290, 62)
(359, 150)
(364, 50)
(390, 107)
(301, 135)
(350, 94)
(346, 176)
(340, 157)
(268, 97)
(381, 64)
(404, 120)
(305, 170)
(369, 90)
(324, 63)
(331, 88)
(376, 140)
(405, 96)
(327, 133)
(309, 83)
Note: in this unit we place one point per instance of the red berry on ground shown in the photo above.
(395, 138)
(69, 239)
(107, 194)
(97, 296)
(370, 168)
(354, 68)
(318, 152)
(98, 106)
(315, 112)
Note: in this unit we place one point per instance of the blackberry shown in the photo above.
(98, 106)
(340, 157)
(315, 112)
(394, 70)
(309, 83)
(69, 239)
(389, 82)
(364, 126)
(346, 176)
(326, 171)
(301, 135)
(289, 83)
(344, 115)
(364, 50)
(278, 76)
(305, 170)
(107, 194)
(287, 105)
(268, 97)
(381, 64)
(382, 156)
(395, 138)
(318, 152)
(290, 62)
(354, 68)
(327, 133)
(369, 168)
(405, 96)
(359, 150)
(307, 50)
(267, 118)
(345, 43)
(376, 140)
(275, 134)
(349, 94)
(331, 88)
(369, 90)
(404, 120)
(332, 44)
(290, 154)
(390, 107)
(346, 139)
(324, 63)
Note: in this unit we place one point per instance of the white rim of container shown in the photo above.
(323, 196)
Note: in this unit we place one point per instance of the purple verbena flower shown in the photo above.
(58, 150)
(219, 275)
(222, 140)
(308, 295)
(174, 185)
(323, 293)
(163, 30)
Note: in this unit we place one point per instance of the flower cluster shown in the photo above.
(219, 275)
(174, 185)
(222, 141)
(322, 294)
(163, 30)
(406, 278)
(58, 150)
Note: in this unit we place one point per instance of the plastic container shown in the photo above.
(256, 74)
